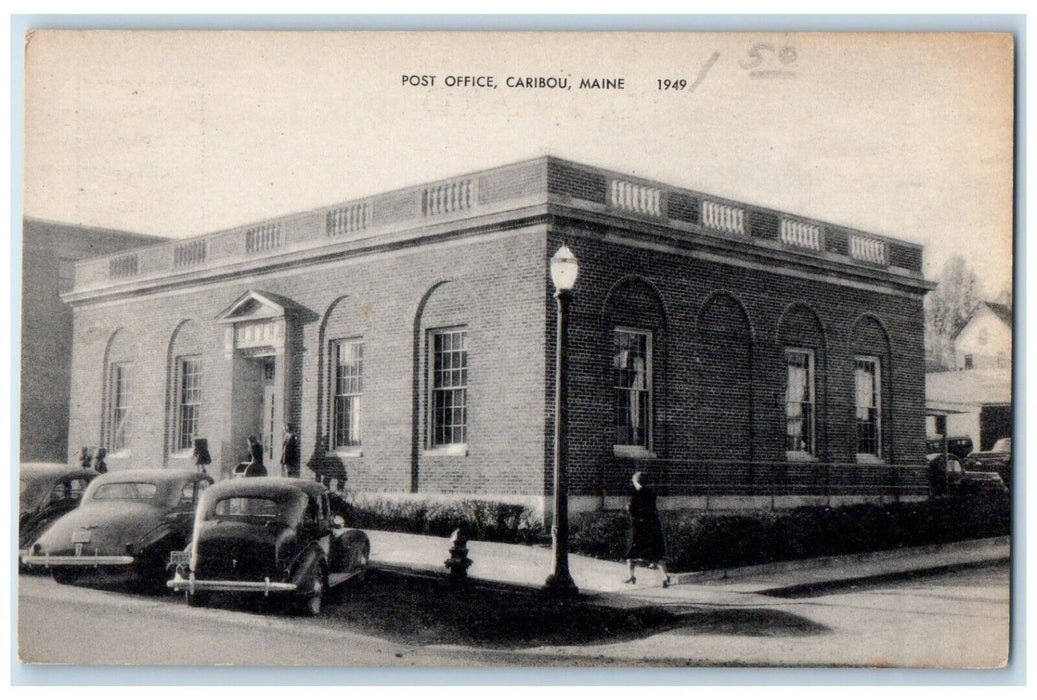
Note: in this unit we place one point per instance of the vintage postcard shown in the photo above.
(354, 349)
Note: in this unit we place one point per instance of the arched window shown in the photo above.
(636, 321)
(872, 390)
(120, 360)
(445, 362)
(802, 341)
(186, 381)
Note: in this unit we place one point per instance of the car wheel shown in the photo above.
(313, 589)
(65, 577)
(154, 571)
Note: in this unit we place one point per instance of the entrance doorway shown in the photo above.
(256, 401)
(256, 327)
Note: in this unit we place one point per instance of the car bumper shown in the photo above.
(84, 560)
(193, 585)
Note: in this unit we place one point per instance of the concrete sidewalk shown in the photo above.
(529, 566)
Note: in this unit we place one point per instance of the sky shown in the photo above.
(180, 134)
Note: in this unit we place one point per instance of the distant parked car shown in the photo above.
(273, 536)
(960, 447)
(46, 491)
(127, 521)
(997, 459)
(947, 477)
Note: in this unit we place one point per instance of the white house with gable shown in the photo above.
(985, 339)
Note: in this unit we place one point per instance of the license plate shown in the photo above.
(80, 536)
(179, 558)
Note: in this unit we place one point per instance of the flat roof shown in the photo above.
(529, 191)
(953, 391)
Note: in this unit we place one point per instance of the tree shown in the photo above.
(946, 309)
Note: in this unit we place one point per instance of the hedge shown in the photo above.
(700, 540)
(480, 520)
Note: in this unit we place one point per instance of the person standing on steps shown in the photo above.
(647, 546)
(255, 452)
(201, 454)
(290, 453)
(100, 466)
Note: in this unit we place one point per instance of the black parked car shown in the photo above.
(947, 477)
(46, 492)
(272, 536)
(997, 459)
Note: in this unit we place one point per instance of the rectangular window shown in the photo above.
(867, 383)
(448, 403)
(632, 384)
(121, 398)
(799, 403)
(189, 400)
(347, 357)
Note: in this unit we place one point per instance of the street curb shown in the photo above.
(805, 590)
(890, 556)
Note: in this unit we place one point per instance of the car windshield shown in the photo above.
(1003, 445)
(125, 491)
(257, 508)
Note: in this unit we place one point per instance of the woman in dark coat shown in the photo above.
(201, 454)
(647, 546)
(100, 466)
(255, 452)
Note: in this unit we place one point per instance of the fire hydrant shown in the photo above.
(458, 562)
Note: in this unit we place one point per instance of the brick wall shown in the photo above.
(494, 286)
(720, 369)
(47, 328)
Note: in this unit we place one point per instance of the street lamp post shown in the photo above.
(564, 270)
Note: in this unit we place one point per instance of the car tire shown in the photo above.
(65, 577)
(313, 589)
(154, 570)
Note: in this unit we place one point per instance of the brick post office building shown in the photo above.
(740, 355)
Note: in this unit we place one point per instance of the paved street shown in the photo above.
(954, 619)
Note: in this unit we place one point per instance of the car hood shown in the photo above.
(112, 525)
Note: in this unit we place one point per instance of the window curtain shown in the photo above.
(637, 388)
(796, 393)
(865, 391)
